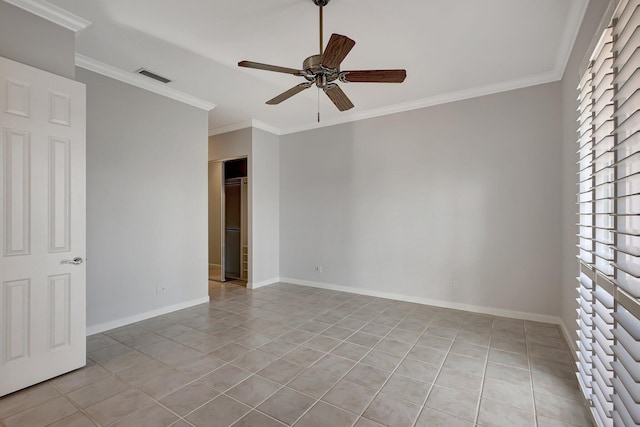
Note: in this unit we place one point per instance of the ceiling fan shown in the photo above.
(324, 69)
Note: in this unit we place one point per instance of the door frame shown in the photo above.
(222, 215)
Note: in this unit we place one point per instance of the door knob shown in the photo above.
(77, 260)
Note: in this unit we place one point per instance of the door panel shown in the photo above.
(42, 182)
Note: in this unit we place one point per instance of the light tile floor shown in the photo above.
(291, 355)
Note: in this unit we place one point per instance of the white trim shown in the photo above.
(106, 326)
(427, 301)
(267, 282)
(52, 13)
(571, 341)
(543, 78)
(243, 125)
(446, 98)
(577, 12)
(141, 82)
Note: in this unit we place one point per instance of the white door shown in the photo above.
(43, 226)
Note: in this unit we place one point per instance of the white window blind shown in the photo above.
(608, 357)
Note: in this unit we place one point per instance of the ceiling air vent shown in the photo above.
(153, 75)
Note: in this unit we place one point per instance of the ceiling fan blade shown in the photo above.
(338, 97)
(288, 94)
(337, 49)
(374, 76)
(267, 67)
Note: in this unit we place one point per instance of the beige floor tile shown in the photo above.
(322, 415)
(420, 371)
(124, 361)
(433, 418)
(118, 406)
(435, 342)
(304, 356)
(80, 378)
(286, 405)
(43, 414)
(470, 350)
(350, 396)
(364, 339)
(225, 377)
(518, 395)
(465, 364)
(365, 422)
(350, 351)
(313, 382)
(456, 380)
(458, 403)
(188, 398)
(368, 376)
(391, 411)
(230, 351)
(406, 388)
(382, 360)
(97, 392)
(254, 390)
(27, 398)
(499, 414)
(426, 354)
(145, 371)
(322, 343)
(334, 365)
(256, 419)
(515, 360)
(201, 366)
(76, 420)
(507, 374)
(567, 410)
(151, 416)
(281, 371)
(392, 346)
(282, 333)
(254, 360)
(160, 386)
(221, 411)
(98, 342)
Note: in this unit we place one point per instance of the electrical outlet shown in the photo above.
(318, 269)
(160, 289)
(455, 284)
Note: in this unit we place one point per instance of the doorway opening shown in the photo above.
(228, 221)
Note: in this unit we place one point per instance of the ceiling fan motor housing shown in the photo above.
(321, 2)
(316, 73)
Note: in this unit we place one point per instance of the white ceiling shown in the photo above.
(450, 49)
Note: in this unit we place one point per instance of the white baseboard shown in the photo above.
(106, 326)
(256, 285)
(427, 301)
(570, 338)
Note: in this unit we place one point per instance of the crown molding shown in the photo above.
(576, 15)
(243, 125)
(141, 82)
(52, 13)
(446, 98)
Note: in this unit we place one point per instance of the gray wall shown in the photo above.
(34, 41)
(263, 158)
(146, 200)
(265, 242)
(569, 146)
(410, 204)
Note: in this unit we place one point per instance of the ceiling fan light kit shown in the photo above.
(323, 70)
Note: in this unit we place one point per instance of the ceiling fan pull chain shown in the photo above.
(318, 105)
